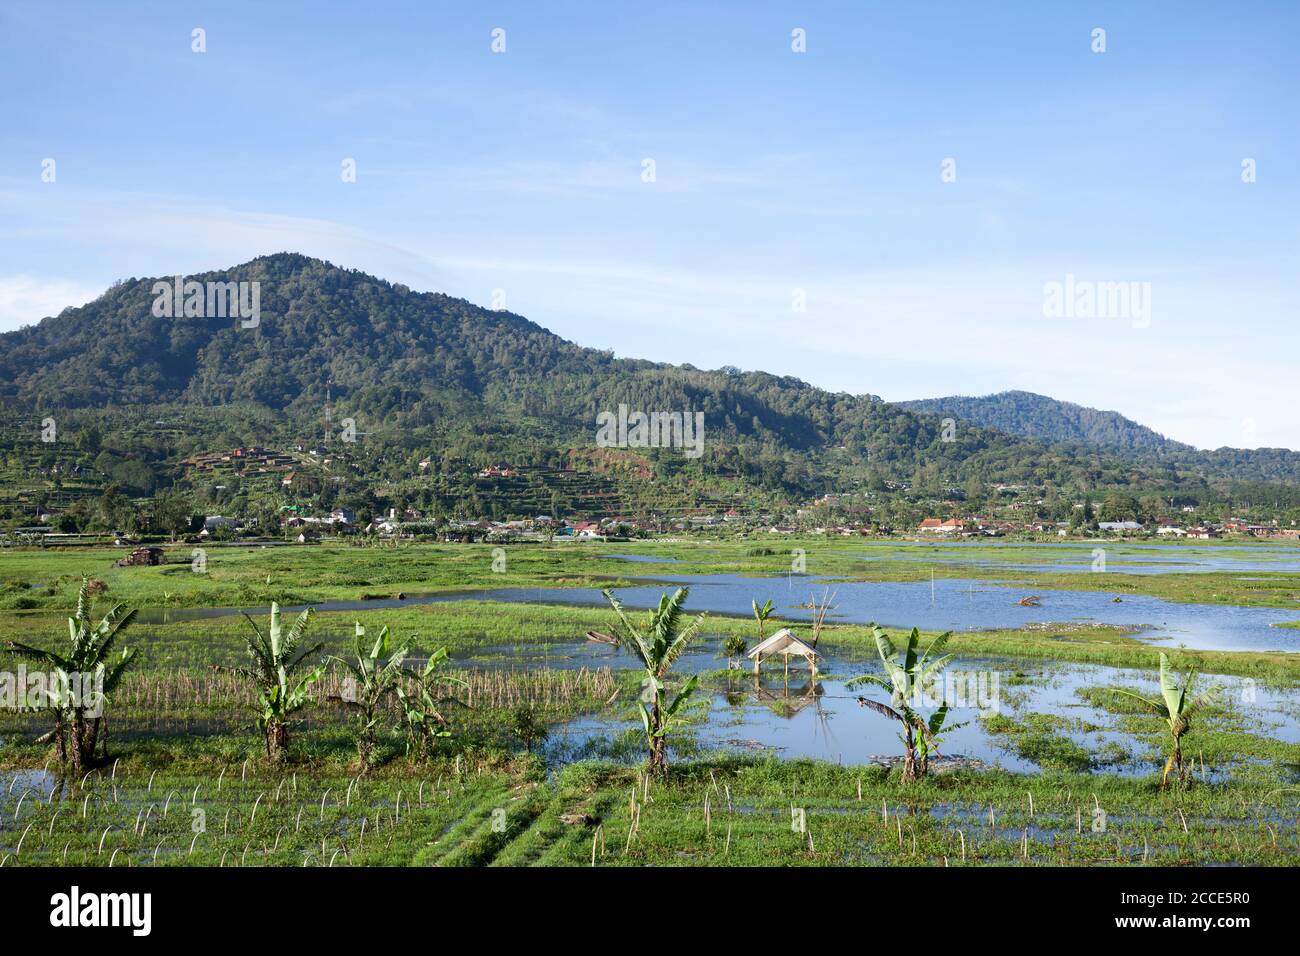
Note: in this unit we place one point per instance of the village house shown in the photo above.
(941, 525)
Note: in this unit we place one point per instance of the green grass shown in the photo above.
(182, 721)
(238, 574)
(449, 813)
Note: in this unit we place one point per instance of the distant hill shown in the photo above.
(1050, 420)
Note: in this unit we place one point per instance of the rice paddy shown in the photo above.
(543, 761)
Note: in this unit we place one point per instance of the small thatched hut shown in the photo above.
(785, 645)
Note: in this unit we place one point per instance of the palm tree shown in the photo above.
(1176, 707)
(909, 678)
(274, 662)
(81, 680)
(373, 680)
(657, 648)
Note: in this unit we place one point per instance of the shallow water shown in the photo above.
(1073, 556)
(947, 604)
(796, 719)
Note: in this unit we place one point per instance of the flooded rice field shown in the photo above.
(944, 604)
(1069, 557)
(950, 604)
(1008, 713)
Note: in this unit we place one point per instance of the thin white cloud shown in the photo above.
(25, 299)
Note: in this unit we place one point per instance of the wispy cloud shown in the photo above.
(25, 300)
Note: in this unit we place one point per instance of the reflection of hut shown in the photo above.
(785, 645)
(790, 701)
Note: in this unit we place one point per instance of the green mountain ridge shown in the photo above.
(1056, 422)
(1048, 419)
(427, 376)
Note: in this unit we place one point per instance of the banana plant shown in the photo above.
(276, 661)
(82, 678)
(664, 640)
(909, 679)
(421, 714)
(375, 674)
(1176, 706)
(734, 646)
(761, 613)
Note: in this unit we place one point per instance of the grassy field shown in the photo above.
(462, 811)
(186, 781)
(240, 575)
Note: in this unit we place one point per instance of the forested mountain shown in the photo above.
(424, 375)
(1073, 426)
(1049, 420)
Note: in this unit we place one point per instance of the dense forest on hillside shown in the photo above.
(425, 377)
(1065, 423)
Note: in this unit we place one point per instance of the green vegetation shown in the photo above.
(249, 575)
(510, 746)
(276, 659)
(81, 680)
(910, 678)
(1065, 423)
(723, 812)
(422, 705)
(148, 446)
(657, 647)
(1177, 709)
(374, 675)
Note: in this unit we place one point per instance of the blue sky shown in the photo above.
(775, 171)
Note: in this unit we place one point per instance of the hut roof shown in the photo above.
(783, 642)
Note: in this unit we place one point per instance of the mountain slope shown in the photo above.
(1050, 420)
(1072, 426)
(399, 355)
(425, 374)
